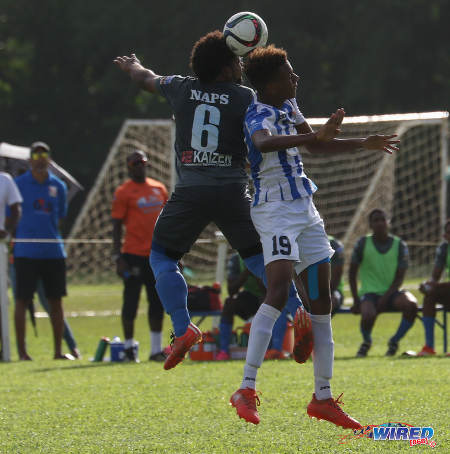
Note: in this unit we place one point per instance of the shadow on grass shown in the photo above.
(87, 366)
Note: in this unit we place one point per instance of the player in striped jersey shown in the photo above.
(211, 185)
(291, 230)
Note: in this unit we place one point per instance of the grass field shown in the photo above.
(83, 407)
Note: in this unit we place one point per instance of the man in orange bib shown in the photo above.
(137, 204)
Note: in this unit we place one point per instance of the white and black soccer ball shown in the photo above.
(244, 32)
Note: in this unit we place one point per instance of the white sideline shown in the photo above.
(83, 314)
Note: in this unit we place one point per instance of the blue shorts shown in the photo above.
(374, 299)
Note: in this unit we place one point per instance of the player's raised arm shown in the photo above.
(144, 77)
(265, 142)
(386, 143)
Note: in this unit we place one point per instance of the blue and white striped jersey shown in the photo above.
(277, 175)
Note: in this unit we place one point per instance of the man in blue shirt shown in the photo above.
(44, 205)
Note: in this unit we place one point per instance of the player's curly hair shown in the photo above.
(209, 55)
(262, 64)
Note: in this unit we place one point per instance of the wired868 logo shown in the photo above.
(394, 431)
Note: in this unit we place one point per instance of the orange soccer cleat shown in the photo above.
(330, 410)
(245, 401)
(303, 336)
(181, 345)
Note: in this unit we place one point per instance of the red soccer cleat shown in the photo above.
(329, 410)
(303, 336)
(426, 351)
(245, 401)
(181, 345)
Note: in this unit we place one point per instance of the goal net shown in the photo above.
(409, 185)
(89, 246)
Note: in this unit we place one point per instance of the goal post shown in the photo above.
(409, 185)
(4, 303)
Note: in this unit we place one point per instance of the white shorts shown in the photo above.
(292, 230)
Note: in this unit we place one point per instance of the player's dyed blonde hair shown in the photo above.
(209, 55)
(262, 64)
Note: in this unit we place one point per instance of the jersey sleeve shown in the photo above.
(12, 192)
(338, 256)
(256, 118)
(119, 205)
(298, 116)
(169, 86)
(357, 254)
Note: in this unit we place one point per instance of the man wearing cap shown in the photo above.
(137, 204)
(44, 205)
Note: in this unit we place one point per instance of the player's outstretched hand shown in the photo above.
(382, 142)
(331, 128)
(125, 62)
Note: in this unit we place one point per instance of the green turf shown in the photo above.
(84, 407)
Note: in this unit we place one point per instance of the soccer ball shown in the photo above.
(244, 32)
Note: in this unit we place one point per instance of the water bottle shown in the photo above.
(101, 349)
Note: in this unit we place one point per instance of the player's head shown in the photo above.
(137, 163)
(211, 60)
(379, 221)
(269, 71)
(39, 156)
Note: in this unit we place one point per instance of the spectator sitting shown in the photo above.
(436, 292)
(382, 260)
(44, 205)
(246, 293)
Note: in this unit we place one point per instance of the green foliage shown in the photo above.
(58, 83)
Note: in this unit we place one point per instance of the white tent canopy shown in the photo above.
(22, 154)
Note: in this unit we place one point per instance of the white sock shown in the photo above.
(323, 355)
(260, 334)
(156, 342)
(128, 343)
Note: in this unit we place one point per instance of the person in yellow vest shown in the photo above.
(382, 260)
(436, 292)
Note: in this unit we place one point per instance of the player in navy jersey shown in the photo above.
(211, 179)
(291, 230)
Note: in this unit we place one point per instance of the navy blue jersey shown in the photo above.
(209, 143)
